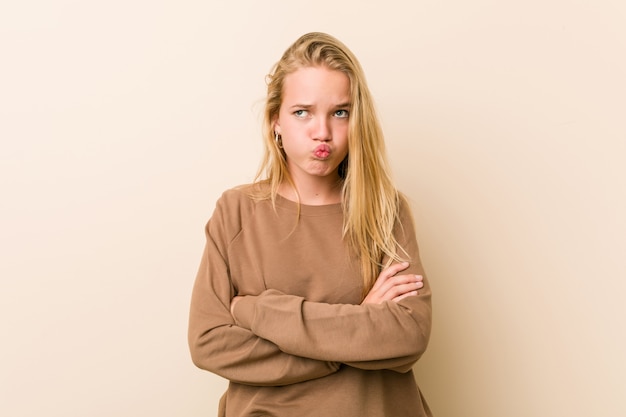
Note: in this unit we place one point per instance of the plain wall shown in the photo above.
(121, 122)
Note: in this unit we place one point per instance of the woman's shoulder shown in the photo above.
(405, 208)
(233, 210)
(242, 198)
(245, 193)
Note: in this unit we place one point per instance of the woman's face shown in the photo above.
(313, 122)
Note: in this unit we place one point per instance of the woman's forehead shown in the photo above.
(313, 84)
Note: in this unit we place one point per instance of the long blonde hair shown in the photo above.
(370, 199)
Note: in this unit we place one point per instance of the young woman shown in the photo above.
(311, 298)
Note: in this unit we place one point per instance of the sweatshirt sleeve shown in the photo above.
(372, 336)
(216, 343)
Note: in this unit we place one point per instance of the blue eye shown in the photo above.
(300, 113)
(341, 114)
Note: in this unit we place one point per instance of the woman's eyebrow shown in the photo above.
(301, 106)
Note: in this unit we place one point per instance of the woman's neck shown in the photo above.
(312, 193)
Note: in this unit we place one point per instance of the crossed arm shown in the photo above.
(244, 338)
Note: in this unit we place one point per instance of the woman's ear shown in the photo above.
(276, 125)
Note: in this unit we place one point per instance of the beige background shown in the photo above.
(121, 122)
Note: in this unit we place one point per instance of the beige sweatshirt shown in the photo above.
(300, 344)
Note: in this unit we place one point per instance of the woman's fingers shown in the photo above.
(405, 295)
(394, 288)
(399, 285)
(389, 272)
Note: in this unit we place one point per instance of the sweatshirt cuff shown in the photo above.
(244, 311)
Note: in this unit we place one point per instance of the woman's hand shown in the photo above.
(392, 287)
(232, 304)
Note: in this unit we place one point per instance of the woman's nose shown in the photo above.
(321, 129)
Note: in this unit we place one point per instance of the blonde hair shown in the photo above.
(370, 199)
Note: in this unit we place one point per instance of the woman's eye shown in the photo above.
(300, 113)
(341, 113)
